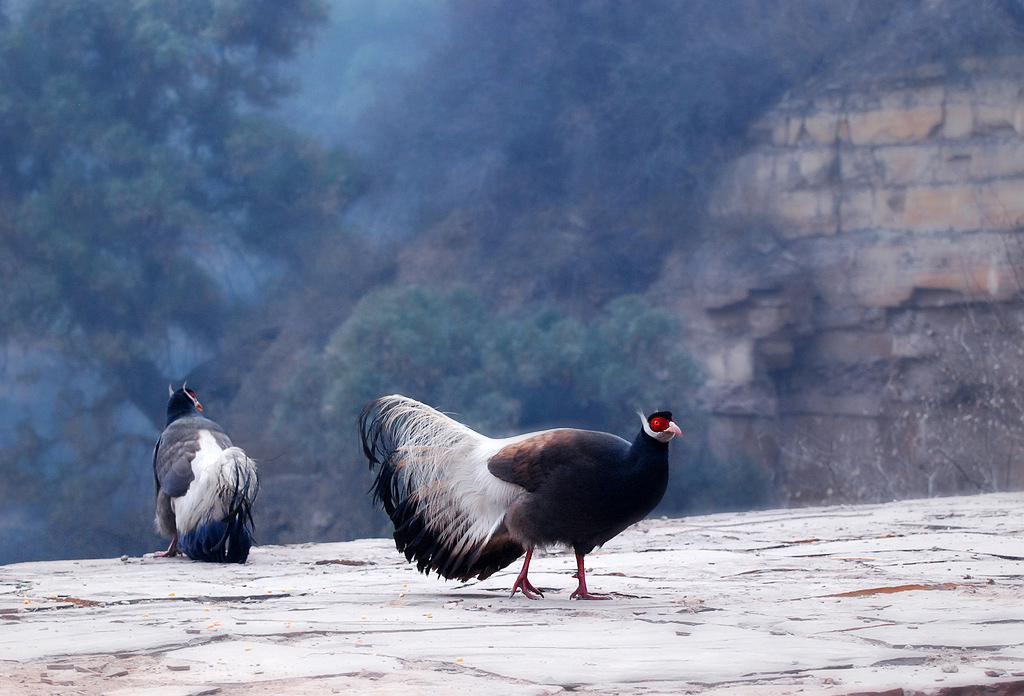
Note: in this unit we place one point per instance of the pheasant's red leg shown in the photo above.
(581, 591)
(171, 551)
(522, 583)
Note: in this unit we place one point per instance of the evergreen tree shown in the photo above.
(146, 201)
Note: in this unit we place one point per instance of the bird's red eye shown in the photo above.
(659, 424)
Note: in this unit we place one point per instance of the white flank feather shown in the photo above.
(218, 474)
(444, 465)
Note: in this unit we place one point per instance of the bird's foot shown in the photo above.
(529, 591)
(171, 551)
(581, 593)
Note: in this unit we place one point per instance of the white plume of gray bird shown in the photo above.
(205, 486)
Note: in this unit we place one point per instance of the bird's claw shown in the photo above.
(527, 588)
(581, 593)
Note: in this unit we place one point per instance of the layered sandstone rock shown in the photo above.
(857, 311)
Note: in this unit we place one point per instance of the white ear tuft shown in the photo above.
(644, 424)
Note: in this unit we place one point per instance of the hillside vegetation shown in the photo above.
(479, 230)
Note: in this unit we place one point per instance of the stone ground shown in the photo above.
(920, 596)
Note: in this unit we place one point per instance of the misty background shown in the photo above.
(299, 206)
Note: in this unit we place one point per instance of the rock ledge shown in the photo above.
(921, 596)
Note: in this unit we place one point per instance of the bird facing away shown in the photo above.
(205, 487)
(465, 505)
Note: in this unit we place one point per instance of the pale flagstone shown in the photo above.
(922, 595)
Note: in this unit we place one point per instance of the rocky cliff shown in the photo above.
(857, 307)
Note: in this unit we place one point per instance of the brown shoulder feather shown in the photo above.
(529, 462)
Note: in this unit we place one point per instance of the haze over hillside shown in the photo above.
(526, 213)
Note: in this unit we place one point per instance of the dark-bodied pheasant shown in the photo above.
(465, 505)
(205, 486)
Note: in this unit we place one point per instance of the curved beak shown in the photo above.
(673, 428)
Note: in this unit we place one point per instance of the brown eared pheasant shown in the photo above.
(465, 505)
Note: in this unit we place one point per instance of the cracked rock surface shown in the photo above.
(919, 596)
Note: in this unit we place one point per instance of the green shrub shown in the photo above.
(505, 373)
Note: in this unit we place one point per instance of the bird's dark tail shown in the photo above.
(448, 518)
(225, 534)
